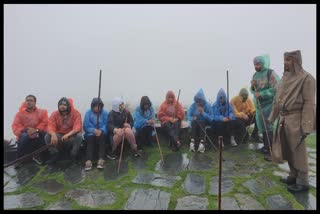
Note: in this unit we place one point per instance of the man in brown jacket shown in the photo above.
(295, 104)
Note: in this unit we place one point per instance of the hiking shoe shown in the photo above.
(37, 160)
(289, 180)
(191, 147)
(100, 164)
(233, 141)
(178, 144)
(136, 153)
(201, 148)
(112, 156)
(297, 188)
(88, 165)
(267, 157)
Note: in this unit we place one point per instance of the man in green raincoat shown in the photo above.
(263, 87)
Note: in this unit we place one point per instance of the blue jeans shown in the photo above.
(26, 145)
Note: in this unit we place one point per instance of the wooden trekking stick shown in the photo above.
(154, 128)
(207, 135)
(264, 122)
(220, 169)
(247, 129)
(27, 156)
(98, 114)
(124, 129)
(227, 101)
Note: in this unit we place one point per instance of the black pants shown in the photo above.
(145, 135)
(225, 129)
(172, 130)
(243, 124)
(197, 130)
(265, 139)
(94, 143)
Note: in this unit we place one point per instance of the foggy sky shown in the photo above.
(53, 51)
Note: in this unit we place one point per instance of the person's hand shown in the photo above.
(257, 95)
(245, 117)
(118, 132)
(54, 139)
(65, 137)
(126, 125)
(195, 118)
(31, 132)
(150, 121)
(225, 119)
(253, 83)
(175, 120)
(97, 132)
(171, 119)
(200, 109)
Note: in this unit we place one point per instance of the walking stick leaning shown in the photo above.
(220, 169)
(124, 133)
(154, 128)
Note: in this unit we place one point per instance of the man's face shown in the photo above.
(30, 102)
(222, 100)
(257, 67)
(63, 107)
(288, 64)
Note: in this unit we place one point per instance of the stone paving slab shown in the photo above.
(194, 184)
(306, 199)
(111, 170)
(155, 179)
(91, 198)
(228, 203)
(148, 199)
(74, 174)
(60, 205)
(192, 202)
(201, 162)
(25, 200)
(313, 155)
(173, 163)
(226, 185)
(51, 186)
(277, 202)
(248, 203)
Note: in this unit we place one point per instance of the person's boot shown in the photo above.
(297, 188)
(191, 147)
(201, 147)
(288, 180)
(233, 141)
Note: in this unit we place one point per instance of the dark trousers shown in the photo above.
(243, 124)
(145, 135)
(95, 143)
(27, 145)
(225, 129)
(197, 130)
(265, 139)
(172, 130)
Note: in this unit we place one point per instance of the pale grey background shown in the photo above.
(57, 50)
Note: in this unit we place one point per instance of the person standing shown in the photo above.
(295, 107)
(263, 87)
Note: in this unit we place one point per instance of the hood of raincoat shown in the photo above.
(95, 101)
(115, 104)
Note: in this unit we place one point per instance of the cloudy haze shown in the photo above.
(53, 51)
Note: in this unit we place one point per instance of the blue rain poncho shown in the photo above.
(141, 116)
(221, 111)
(193, 110)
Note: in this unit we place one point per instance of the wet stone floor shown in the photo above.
(183, 181)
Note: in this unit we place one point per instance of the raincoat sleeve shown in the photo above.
(270, 92)
(207, 114)
(17, 126)
(88, 126)
(231, 114)
(190, 113)
(103, 125)
(77, 124)
(52, 124)
(234, 102)
(130, 119)
(180, 111)
(43, 124)
(251, 106)
(161, 113)
(308, 109)
(215, 114)
(139, 120)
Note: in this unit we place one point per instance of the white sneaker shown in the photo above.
(201, 148)
(191, 148)
(233, 142)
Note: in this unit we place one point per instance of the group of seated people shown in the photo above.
(65, 131)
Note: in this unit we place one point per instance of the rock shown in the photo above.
(25, 200)
(307, 200)
(111, 170)
(148, 199)
(192, 203)
(248, 203)
(201, 162)
(155, 179)
(226, 185)
(173, 163)
(228, 203)
(74, 174)
(60, 205)
(51, 186)
(277, 202)
(194, 184)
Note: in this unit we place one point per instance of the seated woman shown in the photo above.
(144, 117)
(171, 114)
(95, 132)
(120, 124)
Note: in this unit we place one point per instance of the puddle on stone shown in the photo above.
(173, 163)
(51, 186)
(201, 162)
(111, 170)
(226, 185)
(307, 200)
(194, 184)
(155, 179)
(57, 167)
(148, 199)
(74, 174)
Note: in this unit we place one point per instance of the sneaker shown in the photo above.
(136, 153)
(37, 160)
(88, 165)
(201, 148)
(100, 164)
(233, 142)
(112, 156)
(191, 148)
(178, 144)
